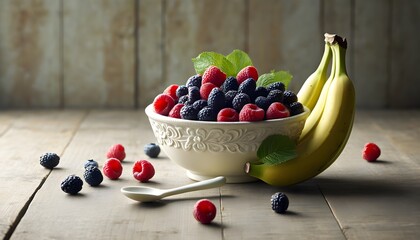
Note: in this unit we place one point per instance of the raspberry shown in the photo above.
(228, 115)
(176, 111)
(261, 91)
(93, 176)
(207, 114)
(49, 160)
(112, 168)
(204, 211)
(230, 84)
(279, 202)
(248, 87)
(200, 104)
(72, 184)
(277, 110)
(229, 96)
(152, 150)
(181, 91)
(171, 91)
(275, 96)
(276, 86)
(193, 95)
(216, 99)
(116, 151)
(214, 75)
(194, 81)
(239, 101)
(371, 152)
(247, 72)
(189, 112)
(163, 103)
(289, 97)
(206, 89)
(251, 113)
(262, 102)
(295, 108)
(143, 170)
(90, 163)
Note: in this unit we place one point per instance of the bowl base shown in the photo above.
(229, 179)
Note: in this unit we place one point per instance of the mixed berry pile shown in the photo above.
(215, 97)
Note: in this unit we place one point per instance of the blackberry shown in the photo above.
(289, 97)
(181, 91)
(295, 108)
(194, 81)
(229, 97)
(261, 91)
(239, 101)
(189, 112)
(90, 163)
(152, 150)
(49, 160)
(262, 102)
(248, 87)
(277, 85)
(72, 184)
(93, 176)
(279, 202)
(199, 104)
(230, 84)
(193, 95)
(216, 99)
(183, 99)
(207, 114)
(275, 96)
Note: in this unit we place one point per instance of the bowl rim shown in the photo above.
(153, 115)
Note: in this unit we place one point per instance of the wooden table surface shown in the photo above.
(353, 199)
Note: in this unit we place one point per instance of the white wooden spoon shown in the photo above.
(148, 194)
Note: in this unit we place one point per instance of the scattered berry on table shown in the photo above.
(251, 113)
(289, 97)
(279, 202)
(152, 150)
(200, 104)
(90, 163)
(371, 152)
(112, 168)
(216, 99)
(194, 81)
(163, 103)
(193, 95)
(204, 211)
(295, 108)
(207, 114)
(247, 72)
(206, 89)
(143, 170)
(239, 101)
(227, 115)
(214, 75)
(181, 91)
(49, 160)
(275, 96)
(176, 111)
(276, 86)
(262, 102)
(116, 151)
(93, 176)
(171, 91)
(189, 112)
(277, 110)
(231, 83)
(248, 87)
(72, 184)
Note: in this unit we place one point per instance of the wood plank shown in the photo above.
(192, 27)
(150, 50)
(404, 57)
(286, 35)
(29, 59)
(31, 134)
(6, 120)
(374, 200)
(99, 53)
(113, 215)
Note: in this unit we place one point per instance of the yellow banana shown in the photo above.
(311, 89)
(327, 140)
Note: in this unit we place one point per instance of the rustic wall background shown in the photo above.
(106, 53)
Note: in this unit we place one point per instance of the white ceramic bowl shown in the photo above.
(210, 149)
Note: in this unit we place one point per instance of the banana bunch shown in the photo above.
(327, 128)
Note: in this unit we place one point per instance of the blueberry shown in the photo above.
(93, 176)
(49, 160)
(240, 100)
(216, 99)
(289, 97)
(91, 163)
(275, 96)
(152, 150)
(194, 81)
(181, 91)
(207, 114)
(199, 104)
(262, 102)
(229, 96)
(72, 184)
(295, 108)
(193, 95)
(189, 112)
(279, 202)
(261, 91)
(230, 84)
(183, 99)
(277, 85)
(248, 87)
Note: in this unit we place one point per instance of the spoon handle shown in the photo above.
(205, 184)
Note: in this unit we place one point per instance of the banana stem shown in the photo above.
(339, 46)
(326, 57)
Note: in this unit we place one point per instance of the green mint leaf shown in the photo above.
(276, 149)
(207, 59)
(280, 76)
(239, 59)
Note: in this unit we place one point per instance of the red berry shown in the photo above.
(171, 91)
(112, 168)
(213, 75)
(371, 152)
(143, 170)
(251, 113)
(176, 111)
(277, 110)
(116, 151)
(247, 72)
(163, 104)
(228, 115)
(205, 90)
(204, 211)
